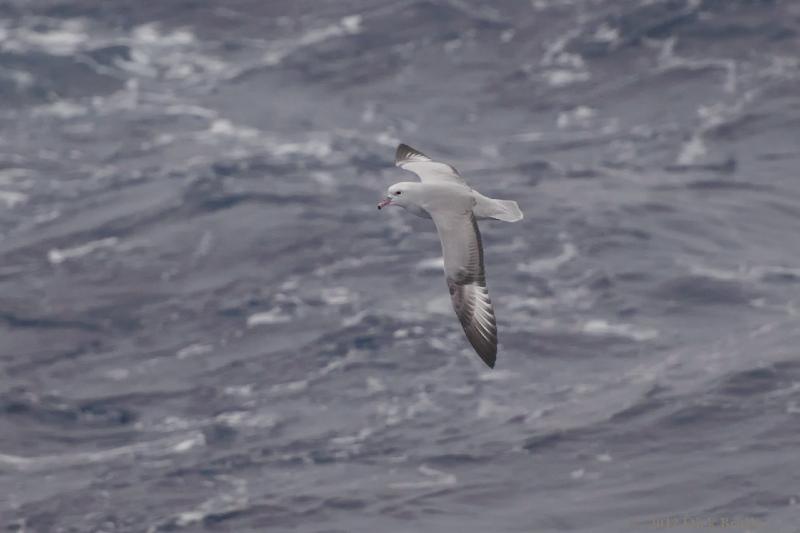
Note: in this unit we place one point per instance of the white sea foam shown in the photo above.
(61, 109)
(234, 499)
(439, 305)
(171, 54)
(782, 68)
(601, 327)
(434, 478)
(161, 447)
(692, 150)
(577, 474)
(742, 273)
(22, 79)
(290, 387)
(668, 60)
(192, 350)
(375, 385)
(431, 264)
(243, 391)
(248, 419)
(490, 409)
(496, 375)
(273, 316)
(191, 110)
(224, 127)
(13, 175)
(152, 33)
(352, 442)
(337, 295)
(323, 178)
(562, 77)
(54, 37)
(386, 138)
(13, 198)
(606, 34)
(507, 36)
(118, 374)
(527, 137)
(314, 147)
(280, 50)
(539, 266)
(303, 384)
(57, 256)
(562, 67)
(580, 116)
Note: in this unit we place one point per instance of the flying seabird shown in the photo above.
(455, 207)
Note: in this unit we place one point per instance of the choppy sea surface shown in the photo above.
(206, 325)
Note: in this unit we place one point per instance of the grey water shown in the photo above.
(206, 325)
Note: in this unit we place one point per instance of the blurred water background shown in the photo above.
(206, 325)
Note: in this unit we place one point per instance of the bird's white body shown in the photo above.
(438, 196)
(454, 206)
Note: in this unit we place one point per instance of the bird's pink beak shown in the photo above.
(383, 203)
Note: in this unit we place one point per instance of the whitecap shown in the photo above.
(692, 150)
(61, 109)
(431, 264)
(192, 350)
(235, 499)
(167, 446)
(349, 25)
(61, 38)
(577, 474)
(496, 375)
(224, 127)
(562, 77)
(314, 147)
(247, 419)
(606, 34)
(13, 198)
(273, 316)
(243, 391)
(568, 252)
(386, 138)
(375, 385)
(435, 478)
(441, 305)
(352, 442)
(118, 374)
(337, 295)
(57, 256)
(289, 387)
(601, 327)
(580, 116)
(12, 175)
(668, 60)
(152, 33)
(489, 409)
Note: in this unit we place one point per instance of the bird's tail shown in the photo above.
(485, 207)
(507, 210)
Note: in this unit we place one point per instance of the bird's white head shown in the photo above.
(404, 194)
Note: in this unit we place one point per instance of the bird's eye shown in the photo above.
(398, 192)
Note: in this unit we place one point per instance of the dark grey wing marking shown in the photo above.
(428, 170)
(466, 280)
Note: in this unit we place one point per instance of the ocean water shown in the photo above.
(206, 325)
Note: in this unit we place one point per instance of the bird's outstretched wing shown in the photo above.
(428, 170)
(466, 280)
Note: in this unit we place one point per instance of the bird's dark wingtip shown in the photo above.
(406, 153)
(489, 359)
